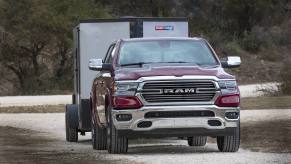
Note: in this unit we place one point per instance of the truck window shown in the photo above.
(166, 51)
(108, 57)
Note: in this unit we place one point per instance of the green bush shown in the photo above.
(285, 37)
(266, 38)
(285, 73)
(252, 41)
(232, 48)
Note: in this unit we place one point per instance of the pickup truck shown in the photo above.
(164, 87)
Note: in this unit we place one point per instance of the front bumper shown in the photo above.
(185, 126)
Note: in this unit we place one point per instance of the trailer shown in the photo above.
(91, 40)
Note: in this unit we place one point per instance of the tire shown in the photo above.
(229, 143)
(99, 137)
(115, 144)
(197, 141)
(71, 133)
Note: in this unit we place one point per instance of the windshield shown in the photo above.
(166, 51)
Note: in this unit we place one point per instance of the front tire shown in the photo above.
(116, 144)
(229, 143)
(99, 137)
(197, 141)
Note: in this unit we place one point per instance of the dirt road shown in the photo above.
(39, 138)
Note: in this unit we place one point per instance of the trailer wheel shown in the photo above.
(71, 121)
(197, 141)
(229, 143)
(99, 137)
(116, 144)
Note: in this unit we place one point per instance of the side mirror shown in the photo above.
(98, 65)
(231, 62)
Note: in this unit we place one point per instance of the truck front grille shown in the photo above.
(178, 91)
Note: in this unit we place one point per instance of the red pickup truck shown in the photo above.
(164, 87)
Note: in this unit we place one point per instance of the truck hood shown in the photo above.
(130, 73)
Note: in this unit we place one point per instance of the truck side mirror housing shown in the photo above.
(98, 65)
(231, 62)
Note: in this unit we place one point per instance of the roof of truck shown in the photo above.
(162, 38)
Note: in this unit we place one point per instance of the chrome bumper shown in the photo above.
(176, 123)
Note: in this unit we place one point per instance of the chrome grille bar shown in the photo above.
(154, 92)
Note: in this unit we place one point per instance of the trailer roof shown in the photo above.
(128, 19)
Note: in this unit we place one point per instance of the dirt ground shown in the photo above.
(267, 136)
(264, 139)
(20, 146)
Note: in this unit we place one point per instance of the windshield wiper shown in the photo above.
(130, 64)
(142, 63)
(177, 62)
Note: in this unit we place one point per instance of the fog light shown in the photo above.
(232, 115)
(144, 124)
(123, 117)
(214, 123)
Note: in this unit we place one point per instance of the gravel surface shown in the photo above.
(51, 127)
(9, 101)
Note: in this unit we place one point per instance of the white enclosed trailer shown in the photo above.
(91, 40)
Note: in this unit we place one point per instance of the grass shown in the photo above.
(278, 102)
(34, 109)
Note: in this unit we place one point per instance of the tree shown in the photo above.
(38, 50)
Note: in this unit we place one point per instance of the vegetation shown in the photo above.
(36, 36)
(285, 74)
(266, 102)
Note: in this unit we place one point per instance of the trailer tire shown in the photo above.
(99, 137)
(229, 143)
(71, 121)
(116, 144)
(197, 141)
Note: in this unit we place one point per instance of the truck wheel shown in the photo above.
(71, 129)
(99, 137)
(197, 141)
(115, 144)
(229, 143)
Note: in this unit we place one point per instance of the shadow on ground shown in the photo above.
(26, 146)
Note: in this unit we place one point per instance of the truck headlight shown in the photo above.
(125, 88)
(228, 87)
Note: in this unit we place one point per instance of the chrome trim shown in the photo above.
(143, 80)
(185, 77)
(106, 75)
(212, 101)
(174, 123)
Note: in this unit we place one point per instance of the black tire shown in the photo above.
(99, 137)
(71, 133)
(229, 143)
(115, 144)
(197, 141)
